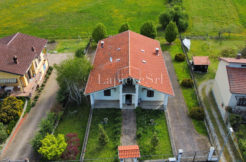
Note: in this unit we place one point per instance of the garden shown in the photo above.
(104, 137)
(152, 134)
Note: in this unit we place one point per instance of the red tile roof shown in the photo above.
(201, 60)
(133, 56)
(234, 60)
(237, 79)
(19, 45)
(131, 151)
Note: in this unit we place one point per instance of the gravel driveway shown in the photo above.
(20, 147)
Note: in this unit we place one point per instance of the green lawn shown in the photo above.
(209, 17)
(109, 152)
(145, 131)
(182, 72)
(70, 19)
(70, 45)
(74, 120)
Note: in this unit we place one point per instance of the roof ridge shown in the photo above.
(13, 38)
(129, 52)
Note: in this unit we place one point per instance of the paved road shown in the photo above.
(20, 148)
(182, 130)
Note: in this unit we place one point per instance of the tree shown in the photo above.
(182, 25)
(164, 19)
(11, 109)
(171, 32)
(72, 75)
(124, 27)
(154, 141)
(52, 147)
(79, 52)
(244, 53)
(103, 137)
(148, 29)
(99, 32)
(3, 133)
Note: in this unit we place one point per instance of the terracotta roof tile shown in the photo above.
(234, 60)
(19, 45)
(237, 79)
(131, 151)
(201, 60)
(133, 55)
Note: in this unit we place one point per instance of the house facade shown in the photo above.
(23, 64)
(229, 88)
(129, 71)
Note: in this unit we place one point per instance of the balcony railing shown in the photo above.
(129, 89)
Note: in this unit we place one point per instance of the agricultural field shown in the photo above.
(70, 19)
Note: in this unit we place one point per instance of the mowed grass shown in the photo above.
(212, 48)
(70, 19)
(210, 17)
(94, 149)
(70, 45)
(74, 120)
(146, 130)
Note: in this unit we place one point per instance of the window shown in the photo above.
(8, 81)
(150, 93)
(241, 101)
(107, 92)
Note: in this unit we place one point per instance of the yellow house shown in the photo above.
(23, 64)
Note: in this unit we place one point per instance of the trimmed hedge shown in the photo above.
(187, 83)
(197, 113)
(180, 57)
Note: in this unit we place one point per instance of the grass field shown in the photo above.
(94, 149)
(209, 17)
(74, 120)
(145, 131)
(68, 19)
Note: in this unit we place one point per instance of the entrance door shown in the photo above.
(128, 99)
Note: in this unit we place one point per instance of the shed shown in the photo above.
(200, 63)
(128, 152)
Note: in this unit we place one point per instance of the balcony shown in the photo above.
(129, 89)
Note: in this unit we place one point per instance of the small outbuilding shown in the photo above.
(200, 63)
(128, 152)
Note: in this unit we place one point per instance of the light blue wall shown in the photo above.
(114, 95)
(143, 95)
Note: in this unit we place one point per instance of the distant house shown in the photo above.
(23, 64)
(200, 63)
(129, 71)
(230, 84)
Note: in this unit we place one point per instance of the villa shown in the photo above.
(129, 71)
(23, 64)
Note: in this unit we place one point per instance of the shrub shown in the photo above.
(103, 137)
(10, 109)
(124, 27)
(228, 52)
(36, 141)
(11, 125)
(3, 133)
(79, 52)
(187, 83)
(52, 147)
(72, 149)
(180, 57)
(154, 141)
(148, 29)
(33, 103)
(197, 113)
(235, 121)
(171, 32)
(52, 41)
(99, 32)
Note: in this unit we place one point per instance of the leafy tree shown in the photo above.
(3, 133)
(79, 52)
(124, 27)
(164, 19)
(182, 25)
(10, 109)
(36, 141)
(154, 141)
(52, 147)
(72, 149)
(72, 75)
(103, 137)
(99, 32)
(47, 124)
(148, 29)
(171, 32)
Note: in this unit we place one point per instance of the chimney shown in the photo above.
(15, 59)
(102, 43)
(157, 51)
(33, 49)
(238, 56)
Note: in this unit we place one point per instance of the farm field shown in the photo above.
(70, 19)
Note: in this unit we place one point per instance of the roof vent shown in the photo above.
(15, 59)
(33, 49)
(238, 56)
(143, 61)
(117, 60)
(102, 44)
(111, 59)
(157, 51)
(142, 50)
